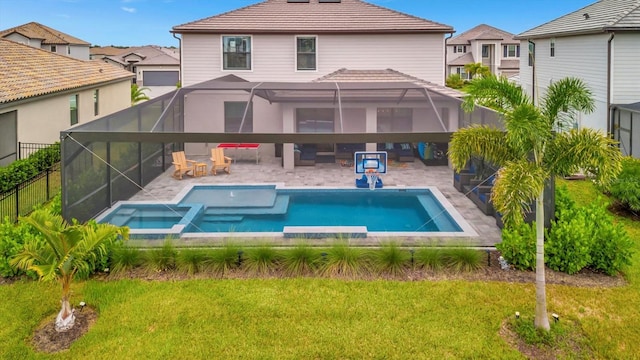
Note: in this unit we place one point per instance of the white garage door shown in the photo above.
(160, 78)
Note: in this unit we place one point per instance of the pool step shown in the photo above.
(222, 218)
(279, 207)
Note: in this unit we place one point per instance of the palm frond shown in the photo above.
(497, 93)
(481, 141)
(527, 130)
(585, 149)
(516, 187)
(564, 99)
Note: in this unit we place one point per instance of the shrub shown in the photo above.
(343, 260)
(462, 259)
(223, 259)
(22, 170)
(518, 245)
(12, 240)
(626, 189)
(161, 259)
(191, 261)
(390, 259)
(300, 260)
(454, 81)
(612, 249)
(568, 244)
(564, 202)
(261, 260)
(429, 258)
(124, 258)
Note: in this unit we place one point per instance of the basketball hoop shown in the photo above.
(372, 178)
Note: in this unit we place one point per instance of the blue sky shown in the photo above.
(144, 22)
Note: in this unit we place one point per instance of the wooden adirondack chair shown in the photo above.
(182, 165)
(219, 161)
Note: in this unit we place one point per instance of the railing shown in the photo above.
(26, 149)
(21, 200)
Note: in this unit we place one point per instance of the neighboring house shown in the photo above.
(99, 52)
(156, 68)
(600, 44)
(494, 48)
(313, 42)
(42, 94)
(46, 38)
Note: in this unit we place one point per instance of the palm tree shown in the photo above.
(530, 152)
(474, 69)
(67, 250)
(137, 94)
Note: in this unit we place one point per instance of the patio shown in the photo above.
(270, 170)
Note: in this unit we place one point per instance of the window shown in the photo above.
(306, 53)
(552, 48)
(73, 109)
(96, 102)
(69, 50)
(459, 49)
(511, 51)
(54, 48)
(233, 113)
(315, 120)
(485, 51)
(236, 52)
(395, 120)
(463, 74)
(532, 53)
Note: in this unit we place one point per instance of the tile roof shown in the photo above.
(462, 60)
(34, 30)
(483, 32)
(387, 75)
(599, 17)
(150, 54)
(279, 16)
(105, 50)
(27, 72)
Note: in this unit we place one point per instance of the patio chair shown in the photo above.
(182, 165)
(219, 161)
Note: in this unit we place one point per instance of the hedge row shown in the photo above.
(24, 169)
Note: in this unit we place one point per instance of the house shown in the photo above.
(156, 68)
(99, 52)
(490, 46)
(42, 93)
(46, 38)
(311, 81)
(293, 41)
(600, 44)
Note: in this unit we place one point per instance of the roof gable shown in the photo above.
(482, 32)
(280, 16)
(599, 17)
(49, 36)
(28, 72)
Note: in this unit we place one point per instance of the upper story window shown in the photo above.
(54, 48)
(485, 51)
(306, 53)
(511, 51)
(236, 52)
(459, 49)
(68, 49)
(73, 109)
(552, 48)
(532, 53)
(96, 102)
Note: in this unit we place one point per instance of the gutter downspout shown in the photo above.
(445, 56)
(179, 60)
(609, 71)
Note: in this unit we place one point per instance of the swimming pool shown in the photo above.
(273, 210)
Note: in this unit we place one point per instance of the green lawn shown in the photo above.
(318, 318)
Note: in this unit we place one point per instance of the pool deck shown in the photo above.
(269, 171)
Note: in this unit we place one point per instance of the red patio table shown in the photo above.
(242, 146)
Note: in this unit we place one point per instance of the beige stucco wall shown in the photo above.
(41, 120)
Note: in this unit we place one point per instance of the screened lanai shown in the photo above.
(112, 158)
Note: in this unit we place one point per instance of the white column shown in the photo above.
(288, 127)
(372, 125)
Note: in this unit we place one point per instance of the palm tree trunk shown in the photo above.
(542, 319)
(65, 319)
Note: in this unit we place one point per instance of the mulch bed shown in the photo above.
(46, 339)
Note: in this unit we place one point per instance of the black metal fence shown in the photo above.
(21, 200)
(26, 149)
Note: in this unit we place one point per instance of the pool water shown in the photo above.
(242, 209)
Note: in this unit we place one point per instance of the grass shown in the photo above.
(296, 318)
